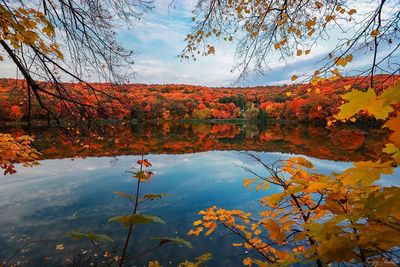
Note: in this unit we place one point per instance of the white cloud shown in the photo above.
(7, 69)
(159, 37)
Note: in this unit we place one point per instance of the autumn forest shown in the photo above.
(316, 103)
(196, 133)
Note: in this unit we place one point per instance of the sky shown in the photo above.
(158, 39)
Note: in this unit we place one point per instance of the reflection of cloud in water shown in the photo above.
(64, 195)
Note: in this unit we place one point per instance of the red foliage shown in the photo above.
(16, 113)
(305, 102)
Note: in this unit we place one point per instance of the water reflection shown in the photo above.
(337, 143)
(65, 193)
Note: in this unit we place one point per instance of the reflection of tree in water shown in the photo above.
(350, 217)
(313, 218)
(16, 150)
(110, 140)
(113, 161)
(105, 250)
(124, 139)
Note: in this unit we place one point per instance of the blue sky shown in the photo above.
(159, 37)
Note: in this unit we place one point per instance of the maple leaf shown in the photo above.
(247, 261)
(9, 169)
(195, 232)
(145, 162)
(365, 172)
(394, 125)
(359, 100)
(154, 264)
(393, 151)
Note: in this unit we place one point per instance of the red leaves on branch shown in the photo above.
(144, 162)
(8, 169)
(177, 101)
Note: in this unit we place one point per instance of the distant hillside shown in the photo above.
(303, 102)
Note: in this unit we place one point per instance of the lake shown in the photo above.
(197, 165)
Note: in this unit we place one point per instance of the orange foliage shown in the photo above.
(126, 139)
(304, 102)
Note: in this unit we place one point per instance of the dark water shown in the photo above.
(197, 168)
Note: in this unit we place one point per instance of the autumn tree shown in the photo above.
(316, 218)
(333, 218)
(16, 150)
(340, 217)
(288, 29)
(50, 41)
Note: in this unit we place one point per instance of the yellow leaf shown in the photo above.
(294, 77)
(237, 244)
(272, 199)
(359, 100)
(154, 264)
(49, 30)
(211, 229)
(316, 187)
(302, 162)
(375, 33)
(394, 125)
(365, 173)
(266, 185)
(247, 262)
(195, 232)
(336, 249)
(393, 151)
(391, 94)
(274, 230)
(288, 93)
(349, 58)
(336, 73)
(247, 182)
(259, 187)
(260, 263)
(352, 11)
(198, 222)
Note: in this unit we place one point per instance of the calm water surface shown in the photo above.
(39, 205)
